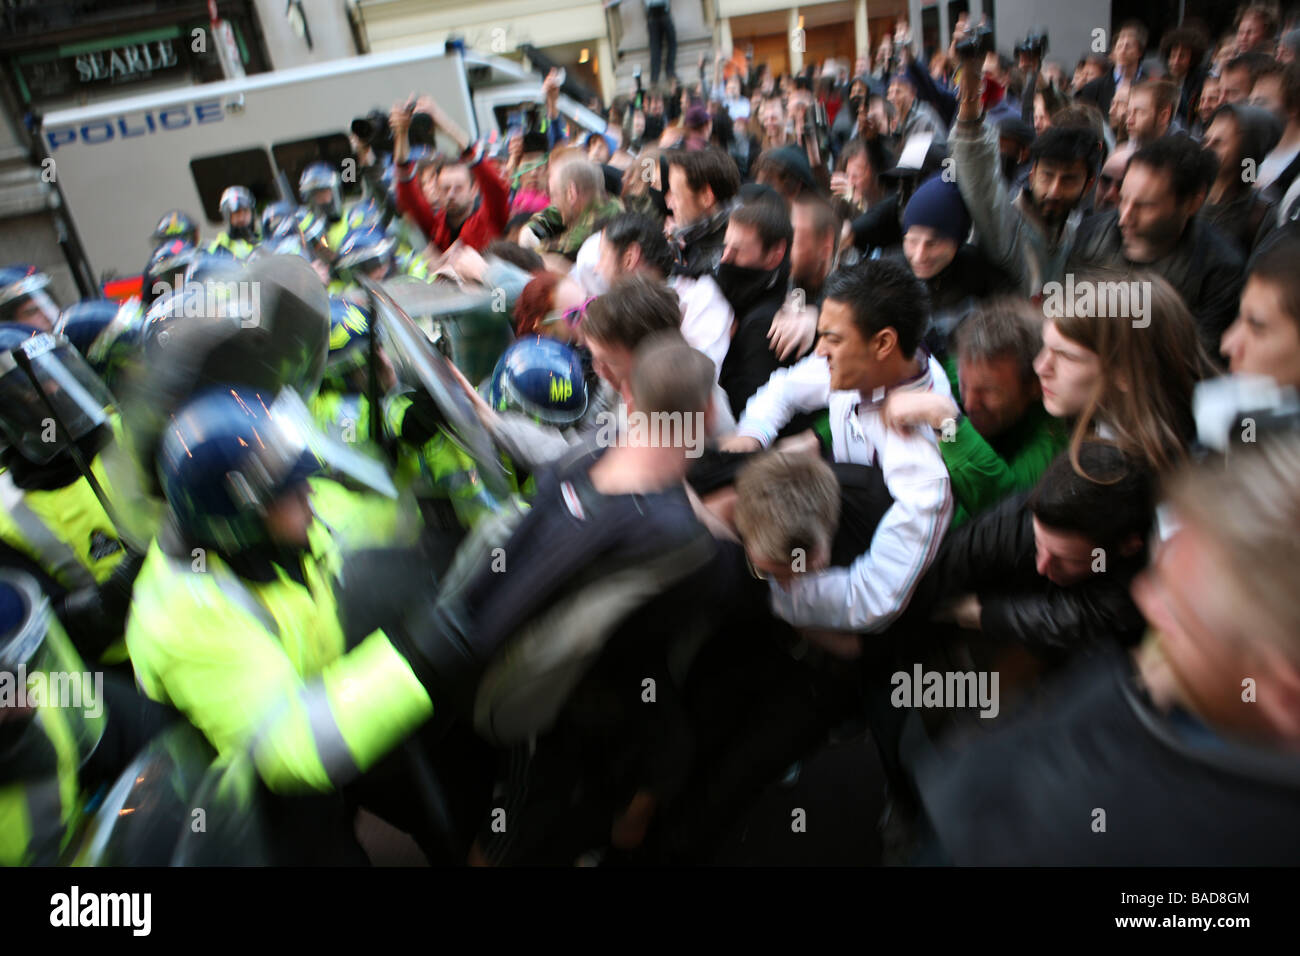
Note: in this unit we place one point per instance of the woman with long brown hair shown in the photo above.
(1125, 378)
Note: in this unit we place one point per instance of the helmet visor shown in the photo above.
(334, 457)
(55, 679)
(36, 309)
(66, 402)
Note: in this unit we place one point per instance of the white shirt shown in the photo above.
(706, 317)
(706, 314)
(869, 594)
(584, 267)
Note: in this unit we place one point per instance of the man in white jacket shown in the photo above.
(869, 335)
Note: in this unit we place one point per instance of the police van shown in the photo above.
(120, 165)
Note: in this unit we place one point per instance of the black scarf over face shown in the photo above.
(745, 287)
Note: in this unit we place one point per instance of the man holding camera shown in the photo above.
(1029, 233)
(476, 199)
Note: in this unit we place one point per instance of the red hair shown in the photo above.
(535, 302)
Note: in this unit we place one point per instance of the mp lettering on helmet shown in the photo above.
(561, 389)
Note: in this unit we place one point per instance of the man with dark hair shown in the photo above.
(1183, 49)
(1038, 581)
(913, 115)
(475, 197)
(813, 248)
(1049, 569)
(1156, 228)
(1028, 234)
(1269, 92)
(787, 171)
(701, 186)
(1240, 74)
(1122, 70)
(754, 275)
(872, 319)
(633, 244)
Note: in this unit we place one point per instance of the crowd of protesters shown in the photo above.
(950, 321)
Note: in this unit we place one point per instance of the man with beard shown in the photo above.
(1028, 234)
(1156, 228)
(476, 199)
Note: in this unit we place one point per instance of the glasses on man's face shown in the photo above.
(753, 569)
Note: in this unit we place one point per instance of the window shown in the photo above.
(332, 149)
(245, 167)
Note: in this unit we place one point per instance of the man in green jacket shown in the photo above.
(1006, 439)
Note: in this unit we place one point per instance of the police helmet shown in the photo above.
(23, 296)
(226, 455)
(349, 336)
(316, 178)
(278, 220)
(236, 199)
(166, 270)
(542, 378)
(365, 249)
(175, 224)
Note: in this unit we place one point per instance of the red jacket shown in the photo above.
(484, 224)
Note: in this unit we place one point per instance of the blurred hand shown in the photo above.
(840, 186)
(904, 410)
(846, 645)
(963, 611)
(740, 443)
(485, 412)
(551, 85)
(399, 119)
(672, 135)
(467, 263)
(793, 330)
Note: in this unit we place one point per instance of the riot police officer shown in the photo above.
(24, 299)
(239, 211)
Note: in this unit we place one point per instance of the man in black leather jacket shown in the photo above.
(1156, 228)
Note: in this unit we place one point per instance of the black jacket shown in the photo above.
(1173, 793)
(1245, 219)
(750, 360)
(968, 280)
(993, 555)
(1205, 268)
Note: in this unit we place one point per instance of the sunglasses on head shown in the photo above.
(572, 317)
